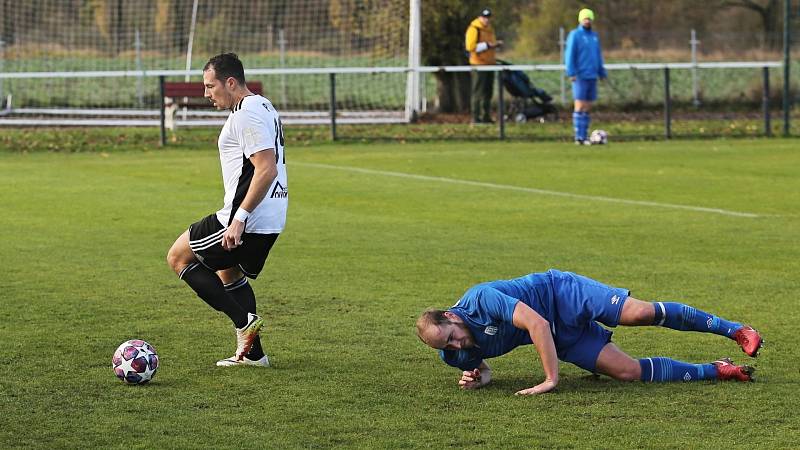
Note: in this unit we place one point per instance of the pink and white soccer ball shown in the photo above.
(598, 137)
(135, 362)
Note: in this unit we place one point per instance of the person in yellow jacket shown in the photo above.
(481, 43)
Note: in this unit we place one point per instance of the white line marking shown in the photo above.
(597, 198)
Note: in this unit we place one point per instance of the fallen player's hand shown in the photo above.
(472, 379)
(545, 386)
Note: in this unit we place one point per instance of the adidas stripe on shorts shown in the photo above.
(205, 240)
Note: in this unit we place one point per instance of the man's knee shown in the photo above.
(628, 372)
(637, 312)
(174, 259)
(617, 364)
(180, 254)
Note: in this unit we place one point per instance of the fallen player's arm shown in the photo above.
(525, 318)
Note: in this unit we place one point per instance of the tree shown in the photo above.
(370, 23)
(770, 14)
(539, 23)
(444, 25)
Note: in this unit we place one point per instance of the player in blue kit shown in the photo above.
(559, 312)
(583, 60)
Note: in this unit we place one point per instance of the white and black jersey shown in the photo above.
(252, 126)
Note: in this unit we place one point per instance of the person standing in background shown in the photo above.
(481, 43)
(584, 64)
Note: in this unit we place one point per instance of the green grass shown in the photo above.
(620, 128)
(84, 243)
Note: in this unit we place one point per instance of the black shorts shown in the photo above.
(205, 240)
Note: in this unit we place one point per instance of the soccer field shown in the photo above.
(375, 234)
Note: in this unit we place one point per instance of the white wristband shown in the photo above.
(241, 215)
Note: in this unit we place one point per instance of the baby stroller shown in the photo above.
(529, 102)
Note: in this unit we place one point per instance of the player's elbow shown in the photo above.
(539, 324)
(267, 173)
(271, 174)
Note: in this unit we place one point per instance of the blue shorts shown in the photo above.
(585, 90)
(581, 303)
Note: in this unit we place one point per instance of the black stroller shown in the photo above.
(529, 102)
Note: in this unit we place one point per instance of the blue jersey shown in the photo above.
(569, 302)
(582, 55)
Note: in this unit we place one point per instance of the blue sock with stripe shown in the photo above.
(585, 122)
(660, 369)
(686, 318)
(576, 125)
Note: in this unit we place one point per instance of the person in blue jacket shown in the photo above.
(560, 314)
(584, 63)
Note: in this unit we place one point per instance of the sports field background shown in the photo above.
(377, 232)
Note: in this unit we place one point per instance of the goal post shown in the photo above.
(413, 98)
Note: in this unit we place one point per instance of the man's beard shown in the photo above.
(470, 340)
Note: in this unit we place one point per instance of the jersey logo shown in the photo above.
(279, 191)
(615, 299)
(251, 137)
(490, 330)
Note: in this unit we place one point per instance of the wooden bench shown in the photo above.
(189, 94)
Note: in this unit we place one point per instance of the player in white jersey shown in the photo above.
(217, 254)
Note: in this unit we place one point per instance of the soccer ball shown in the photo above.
(135, 362)
(598, 137)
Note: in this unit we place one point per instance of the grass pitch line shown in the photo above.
(596, 198)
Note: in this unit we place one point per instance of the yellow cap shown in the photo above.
(585, 13)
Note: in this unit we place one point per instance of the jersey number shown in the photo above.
(279, 140)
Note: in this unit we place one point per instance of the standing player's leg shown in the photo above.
(239, 289)
(248, 260)
(582, 105)
(686, 318)
(476, 97)
(203, 242)
(585, 94)
(203, 281)
(488, 91)
(618, 365)
(591, 96)
(577, 111)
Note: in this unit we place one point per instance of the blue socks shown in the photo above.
(580, 124)
(587, 119)
(658, 370)
(685, 318)
(576, 125)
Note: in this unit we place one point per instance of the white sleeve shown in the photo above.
(253, 131)
(482, 47)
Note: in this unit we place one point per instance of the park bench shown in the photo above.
(189, 94)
